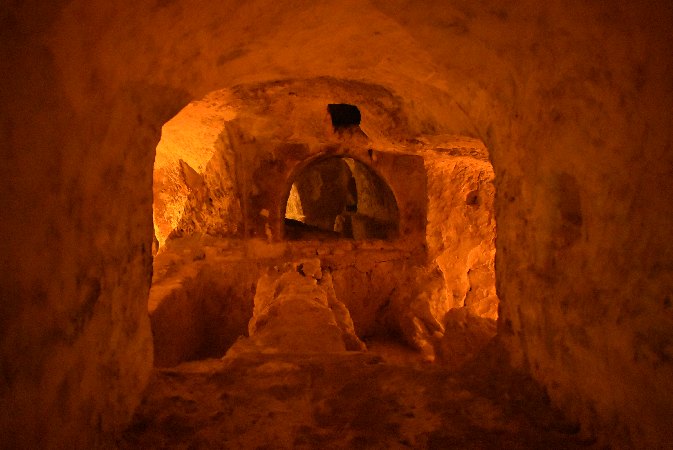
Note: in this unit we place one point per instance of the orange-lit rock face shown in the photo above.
(297, 311)
(226, 165)
(462, 229)
(194, 179)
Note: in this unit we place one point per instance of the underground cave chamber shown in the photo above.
(573, 100)
(405, 237)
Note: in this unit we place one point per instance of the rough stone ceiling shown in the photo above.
(295, 110)
(309, 40)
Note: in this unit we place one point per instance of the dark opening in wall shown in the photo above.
(344, 115)
(339, 197)
(472, 198)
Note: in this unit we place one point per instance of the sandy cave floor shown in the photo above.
(385, 398)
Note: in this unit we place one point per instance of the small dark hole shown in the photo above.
(472, 198)
(344, 115)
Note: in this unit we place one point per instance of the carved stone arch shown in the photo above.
(338, 196)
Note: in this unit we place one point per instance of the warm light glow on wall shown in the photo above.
(188, 142)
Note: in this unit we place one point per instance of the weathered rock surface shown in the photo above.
(465, 336)
(226, 164)
(198, 309)
(461, 228)
(296, 311)
(345, 400)
(204, 288)
(194, 180)
(416, 308)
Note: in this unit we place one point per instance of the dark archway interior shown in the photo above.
(340, 198)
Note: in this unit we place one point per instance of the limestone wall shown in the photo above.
(194, 180)
(462, 230)
(573, 100)
(198, 308)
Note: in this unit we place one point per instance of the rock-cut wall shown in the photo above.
(194, 179)
(461, 230)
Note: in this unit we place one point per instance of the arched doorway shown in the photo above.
(340, 197)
